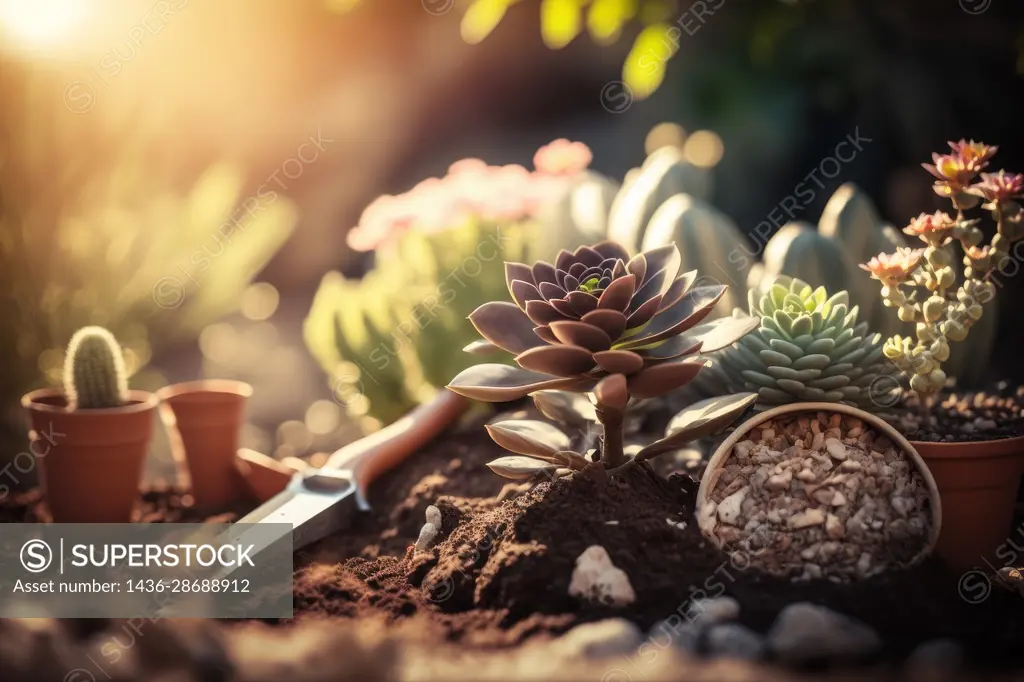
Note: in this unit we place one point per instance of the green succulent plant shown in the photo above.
(850, 232)
(809, 347)
(94, 375)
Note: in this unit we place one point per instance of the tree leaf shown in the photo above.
(571, 409)
(481, 18)
(520, 468)
(703, 418)
(644, 69)
(560, 22)
(496, 383)
(529, 437)
(606, 18)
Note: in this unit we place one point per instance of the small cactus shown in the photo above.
(94, 375)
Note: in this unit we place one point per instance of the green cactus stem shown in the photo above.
(94, 374)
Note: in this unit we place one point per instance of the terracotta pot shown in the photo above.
(204, 419)
(263, 475)
(978, 483)
(90, 461)
(718, 460)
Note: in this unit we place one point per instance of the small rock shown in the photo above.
(834, 527)
(707, 514)
(779, 481)
(602, 639)
(810, 517)
(676, 632)
(712, 611)
(730, 508)
(937, 660)
(743, 448)
(836, 449)
(731, 640)
(597, 579)
(806, 632)
(807, 476)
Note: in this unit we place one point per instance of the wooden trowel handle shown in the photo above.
(378, 453)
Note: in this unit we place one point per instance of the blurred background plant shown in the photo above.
(392, 338)
(92, 232)
(133, 113)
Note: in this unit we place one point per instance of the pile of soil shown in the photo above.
(960, 417)
(500, 569)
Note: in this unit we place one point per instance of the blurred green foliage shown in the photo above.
(389, 340)
(90, 234)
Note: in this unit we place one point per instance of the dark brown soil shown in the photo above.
(959, 417)
(500, 570)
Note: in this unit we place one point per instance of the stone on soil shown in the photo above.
(602, 639)
(731, 640)
(806, 633)
(596, 579)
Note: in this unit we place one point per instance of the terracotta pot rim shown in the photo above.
(222, 386)
(725, 449)
(973, 449)
(139, 401)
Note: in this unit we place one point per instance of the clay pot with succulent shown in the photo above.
(977, 463)
(91, 439)
(600, 323)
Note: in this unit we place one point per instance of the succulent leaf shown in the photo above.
(529, 437)
(520, 467)
(700, 419)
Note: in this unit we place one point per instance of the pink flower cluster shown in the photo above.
(472, 188)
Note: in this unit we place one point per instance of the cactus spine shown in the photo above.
(94, 374)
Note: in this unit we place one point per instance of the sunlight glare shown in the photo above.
(40, 23)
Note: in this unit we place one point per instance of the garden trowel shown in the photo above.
(320, 502)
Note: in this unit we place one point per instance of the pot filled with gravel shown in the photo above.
(819, 491)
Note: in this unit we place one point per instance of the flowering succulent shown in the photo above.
(956, 171)
(996, 188)
(894, 268)
(942, 310)
(597, 321)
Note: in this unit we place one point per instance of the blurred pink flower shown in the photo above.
(472, 189)
(562, 157)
